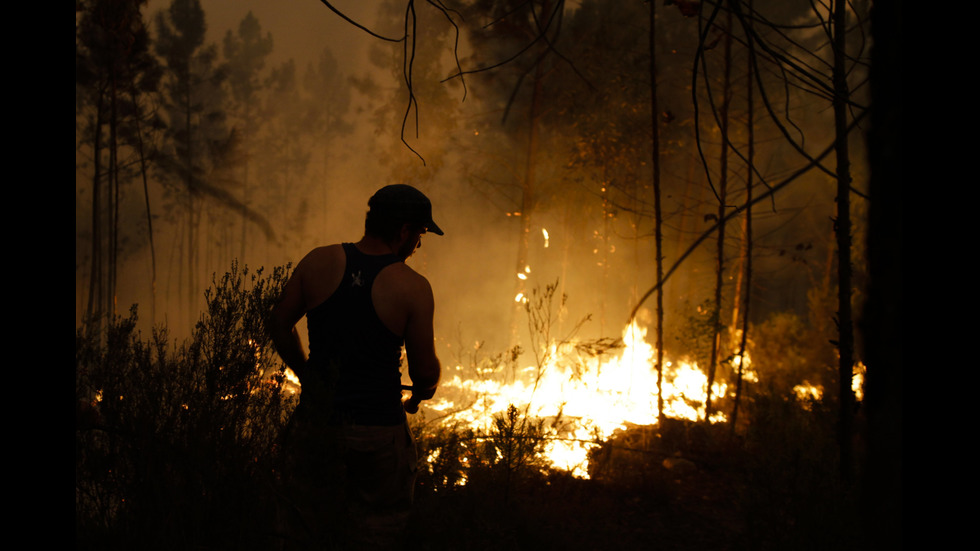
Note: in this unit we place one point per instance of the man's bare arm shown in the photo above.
(423, 365)
(283, 319)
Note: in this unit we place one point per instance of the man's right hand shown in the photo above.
(412, 404)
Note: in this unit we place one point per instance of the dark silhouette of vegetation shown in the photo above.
(174, 445)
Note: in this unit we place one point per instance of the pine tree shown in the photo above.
(192, 97)
(114, 74)
(245, 53)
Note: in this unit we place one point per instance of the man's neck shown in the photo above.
(374, 246)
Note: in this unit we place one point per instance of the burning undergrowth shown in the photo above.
(572, 397)
(176, 446)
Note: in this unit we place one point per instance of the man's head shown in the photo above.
(396, 206)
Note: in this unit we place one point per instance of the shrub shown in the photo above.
(174, 445)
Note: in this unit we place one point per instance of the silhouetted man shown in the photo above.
(350, 457)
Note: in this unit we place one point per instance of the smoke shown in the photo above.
(311, 177)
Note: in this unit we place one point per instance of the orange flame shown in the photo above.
(586, 401)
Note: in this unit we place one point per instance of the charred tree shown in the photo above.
(842, 226)
(721, 195)
(657, 214)
(744, 289)
(141, 152)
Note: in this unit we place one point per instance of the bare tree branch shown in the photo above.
(790, 179)
(358, 25)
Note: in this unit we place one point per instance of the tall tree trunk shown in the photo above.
(192, 218)
(113, 174)
(658, 228)
(149, 215)
(94, 308)
(843, 228)
(688, 219)
(246, 136)
(745, 276)
(722, 197)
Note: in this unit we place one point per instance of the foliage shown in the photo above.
(550, 347)
(515, 442)
(446, 452)
(791, 490)
(174, 446)
(115, 76)
(693, 337)
(192, 95)
(681, 486)
(785, 353)
(496, 462)
(508, 452)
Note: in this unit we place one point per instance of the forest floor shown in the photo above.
(716, 498)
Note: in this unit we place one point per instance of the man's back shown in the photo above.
(398, 292)
(354, 355)
(401, 298)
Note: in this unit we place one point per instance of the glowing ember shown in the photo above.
(544, 232)
(809, 392)
(857, 382)
(806, 391)
(291, 384)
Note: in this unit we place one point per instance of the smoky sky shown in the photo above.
(472, 169)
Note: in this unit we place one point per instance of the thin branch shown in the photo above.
(559, 11)
(408, 60)
(540, 36)
(445, 11)
(806, 168)
(699, 56)
(358, 25)
(778, 123)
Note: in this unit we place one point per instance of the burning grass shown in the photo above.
(576, 393)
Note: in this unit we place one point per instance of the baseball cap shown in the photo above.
(405, 203)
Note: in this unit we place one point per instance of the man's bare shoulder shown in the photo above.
(319, 273)
(399, 284)
(321, 257)
(326, 251)
(406, 277)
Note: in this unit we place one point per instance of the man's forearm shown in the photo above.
(289, 346)
(425, 379)
(424, 383)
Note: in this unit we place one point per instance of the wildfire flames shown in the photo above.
(589, 399)
(807, 391)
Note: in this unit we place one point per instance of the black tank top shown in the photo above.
(354, 358)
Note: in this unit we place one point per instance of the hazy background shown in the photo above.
(319, 147)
